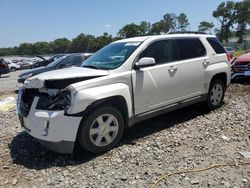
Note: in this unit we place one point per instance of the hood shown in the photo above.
(34, 71)
(59, 79)
(243, 58)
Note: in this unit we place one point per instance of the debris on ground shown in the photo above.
(7, 104)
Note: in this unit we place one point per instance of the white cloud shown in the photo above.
(107, 25)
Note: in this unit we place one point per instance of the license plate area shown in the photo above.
(247, 73)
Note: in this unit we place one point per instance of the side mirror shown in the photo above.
(145, 62)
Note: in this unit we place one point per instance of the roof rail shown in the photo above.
(186, 32)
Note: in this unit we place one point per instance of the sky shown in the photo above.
(46, 20)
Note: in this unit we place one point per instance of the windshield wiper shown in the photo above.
(91, 66)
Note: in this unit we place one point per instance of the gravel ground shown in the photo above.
(9, 83)
(188, 138)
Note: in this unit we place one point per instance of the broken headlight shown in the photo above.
(61, 102)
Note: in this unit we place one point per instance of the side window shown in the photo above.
(216, 45)
(190, 48)
(161, 51)
(73, 60)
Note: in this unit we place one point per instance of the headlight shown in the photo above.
(62, 102)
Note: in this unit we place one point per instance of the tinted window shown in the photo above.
(161, 51)
(72, 60)
(216, 45)
(190, 48)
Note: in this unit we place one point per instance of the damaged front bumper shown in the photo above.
(53, 129)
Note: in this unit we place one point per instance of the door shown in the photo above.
(192, 63)
(159, 85)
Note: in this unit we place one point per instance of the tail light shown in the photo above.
(228, 56)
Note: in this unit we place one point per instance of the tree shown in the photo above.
(182, 22)
(81, 43)
(130, 30)
(157, 28)
(25, 49)
(144, 28)
(61, 45)
(242, 18)
(41, 48)
(100, 42)
(170, 21)
(225, 14)
(206, 27)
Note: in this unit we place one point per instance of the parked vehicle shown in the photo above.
(63, 62)
(241, 66)
(26, 63)
(45, 62)
(127, 81)
(13, 66)
(4, 69)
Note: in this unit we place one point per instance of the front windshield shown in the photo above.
(57, 61)
(111, 56)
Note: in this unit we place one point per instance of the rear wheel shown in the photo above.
(216, 94)
(102, 130)
(13, 69)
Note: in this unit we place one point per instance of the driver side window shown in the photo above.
(161, 51)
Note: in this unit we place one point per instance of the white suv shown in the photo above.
(126, 82)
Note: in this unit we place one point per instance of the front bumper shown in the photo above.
(236, 75)
(52, 129)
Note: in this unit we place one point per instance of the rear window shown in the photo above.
(190, 48)
(216, 45)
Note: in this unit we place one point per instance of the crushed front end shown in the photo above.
(240, 69)
(42, 113)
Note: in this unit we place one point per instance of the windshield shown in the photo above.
(57, 61)
(111, 56)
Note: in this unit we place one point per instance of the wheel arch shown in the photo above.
(221, 76)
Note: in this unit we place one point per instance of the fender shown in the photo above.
(217, 68)
(83, 98)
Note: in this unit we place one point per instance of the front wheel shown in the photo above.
(216, 94)
(101, 130)
(13, 69)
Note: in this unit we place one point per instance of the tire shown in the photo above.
(13, 69)
(216, 94)
(96, 134)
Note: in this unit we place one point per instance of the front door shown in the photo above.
(159, 85)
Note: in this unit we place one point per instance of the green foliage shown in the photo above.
(225, 14)
(182, 22)
(242, 18)
(234, 18)
(130, 30)
(206, 27)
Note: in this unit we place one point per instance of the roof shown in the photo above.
(143, 38)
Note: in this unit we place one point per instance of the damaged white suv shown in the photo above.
(126, 82)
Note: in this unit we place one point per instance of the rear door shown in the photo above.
(192, 64)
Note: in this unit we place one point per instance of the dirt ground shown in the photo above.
(189, 138)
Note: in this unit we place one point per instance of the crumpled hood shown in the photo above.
(63, 77)
(243, 58)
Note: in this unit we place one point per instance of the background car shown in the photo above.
(241, 66)
(13, 66)
(4, 68)
(63, 62)
(45, 62)
(230, 51)
(26, 63)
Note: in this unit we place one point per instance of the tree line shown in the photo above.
(233, 18)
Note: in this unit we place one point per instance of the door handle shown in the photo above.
(205, 63)
(172, 69)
